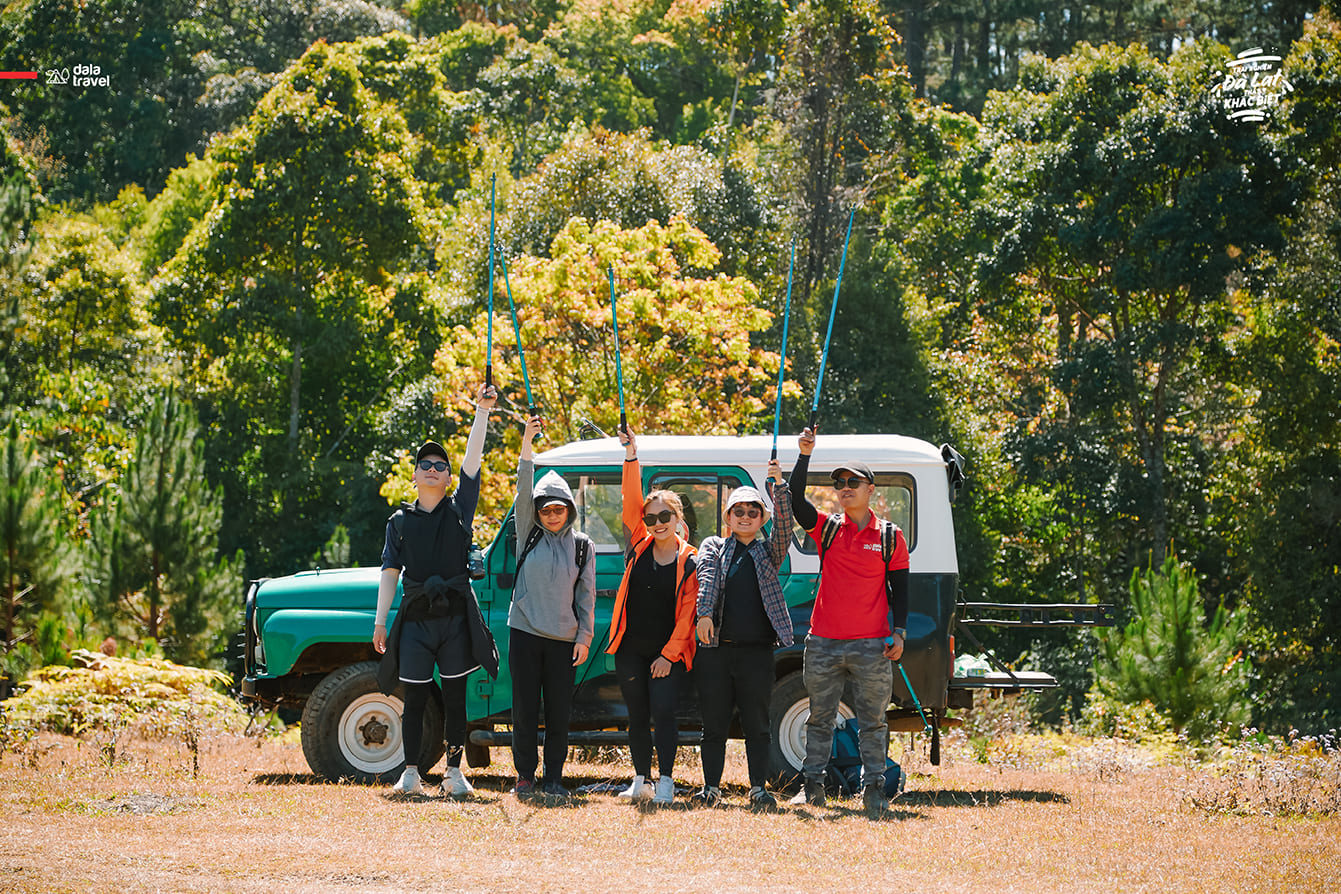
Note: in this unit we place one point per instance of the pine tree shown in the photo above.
(158, 544)
(1172, 657)
(36, 560)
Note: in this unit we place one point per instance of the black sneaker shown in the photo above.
(524, 788)
(762, 799)
(874, 801)
(812, 794)
(708, 796)
(554, 789)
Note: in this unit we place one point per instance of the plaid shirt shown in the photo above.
(714, 557)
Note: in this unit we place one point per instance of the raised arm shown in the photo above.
(807, 516)
(523, 511)
(781, 536)
(631, 491)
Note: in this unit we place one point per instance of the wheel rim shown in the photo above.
(370, 733)
(792, 730)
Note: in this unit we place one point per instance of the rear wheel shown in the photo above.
(352, 731)
(788, 711)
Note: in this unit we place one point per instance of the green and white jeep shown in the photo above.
(308, 636)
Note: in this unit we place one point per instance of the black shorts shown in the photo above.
(440, 642)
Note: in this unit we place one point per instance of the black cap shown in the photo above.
(432, 448)
(860, 469)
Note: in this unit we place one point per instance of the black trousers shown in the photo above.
(454, 719)
(735, 679)
(541, 668)
(650, 700)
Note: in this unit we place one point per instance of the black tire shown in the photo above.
(788, 709)
(351, 730)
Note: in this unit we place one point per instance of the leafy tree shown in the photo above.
(684, 333)
(1124, 204)
(1280, 500)
(1171, 656)
(177, 72)
(295, 301)
(158, 542)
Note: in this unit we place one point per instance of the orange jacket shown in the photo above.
(680, 646)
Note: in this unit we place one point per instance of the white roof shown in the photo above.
(877, 451)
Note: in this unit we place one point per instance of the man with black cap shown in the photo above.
(439, 622)
(863, 583)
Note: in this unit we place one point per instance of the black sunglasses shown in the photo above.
(746, 512)
(437, 466)
(662, 517)
(853, 482)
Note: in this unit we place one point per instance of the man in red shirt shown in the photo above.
(851, 637)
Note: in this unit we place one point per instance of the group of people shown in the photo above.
(718, 610)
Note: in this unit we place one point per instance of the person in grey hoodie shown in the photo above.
(551, 620)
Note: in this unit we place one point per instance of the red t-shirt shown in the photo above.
(851, 602)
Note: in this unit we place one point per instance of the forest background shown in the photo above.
(247, 261)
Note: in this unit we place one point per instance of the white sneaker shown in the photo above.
(409, 783)
(639, 790)
(665, 791)
(455, 784)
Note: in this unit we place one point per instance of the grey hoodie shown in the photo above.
(549, 600)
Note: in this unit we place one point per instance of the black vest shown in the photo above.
(431, 542)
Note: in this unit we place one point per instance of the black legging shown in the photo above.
(454, 719)
(650, 700)
(542, 670)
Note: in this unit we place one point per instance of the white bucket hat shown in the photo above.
(749, 494)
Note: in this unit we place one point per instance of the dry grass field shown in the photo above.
(1043, 814)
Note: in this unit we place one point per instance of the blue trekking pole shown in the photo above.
(824, 358)
(489, 350)
(782, 361)
(619, 372)
(531, 408)
(926, 725)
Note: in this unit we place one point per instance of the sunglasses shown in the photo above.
(661, 517)
(853, 482)
(437, 466)
(555, 509)
(745, 512)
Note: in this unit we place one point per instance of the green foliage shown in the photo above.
(1170, 656)
(157, 543)
(36, 557)
(151, 697)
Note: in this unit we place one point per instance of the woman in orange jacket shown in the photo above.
(652, 631)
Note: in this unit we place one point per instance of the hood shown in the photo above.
(552, 486)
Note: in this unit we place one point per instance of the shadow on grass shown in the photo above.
(990, 798)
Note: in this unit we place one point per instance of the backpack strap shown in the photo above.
(827, 534)
(531, 540)
(582, 548)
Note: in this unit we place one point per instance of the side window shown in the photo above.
(598, 508)
(704, 496)
(893, 500)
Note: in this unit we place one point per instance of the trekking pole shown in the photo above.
(926, 725)
(489, 349)
(782, 361)
(531, 407)
(824, 358)
(619, 372)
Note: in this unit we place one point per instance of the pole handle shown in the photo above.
(488, 373)
(814, 418)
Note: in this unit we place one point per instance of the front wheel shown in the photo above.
(352, 731)
(788, 711)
